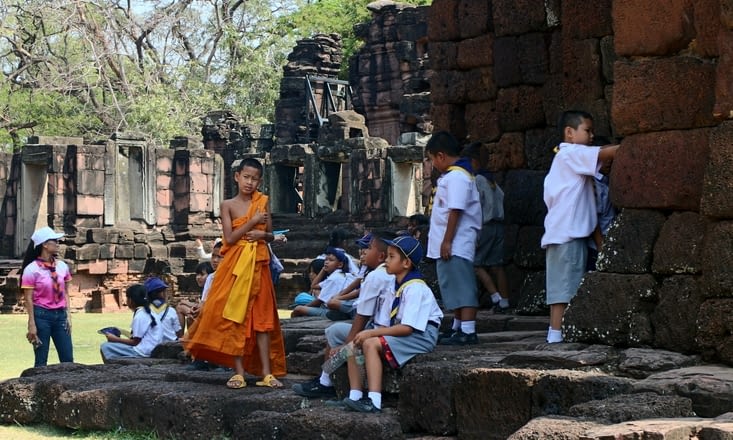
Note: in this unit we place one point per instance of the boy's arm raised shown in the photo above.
(607, 153)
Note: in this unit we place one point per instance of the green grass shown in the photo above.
(17, 355)
(45, 432)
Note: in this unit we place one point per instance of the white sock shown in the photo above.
(554, 336)
(504, 303)
(325, 379)
(495, 297)
(456, 324)
(356, 394)
(468, 327)
(376, 399)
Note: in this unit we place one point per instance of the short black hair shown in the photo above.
(572, 119)
(138, 294)
(419, 219)
(443, 142)
(204, 267)
(249, 162)
(472, 151)
(377, 239)
(315, 266)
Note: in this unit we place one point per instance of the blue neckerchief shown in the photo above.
(464, 163)
(411, 275)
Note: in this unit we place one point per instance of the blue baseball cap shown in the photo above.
(364, 241)
(154, 284)
(409, 247)
(340, 255)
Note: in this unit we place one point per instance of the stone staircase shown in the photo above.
(510, 386)
(307, 239)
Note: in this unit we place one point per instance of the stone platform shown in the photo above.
(511, 385)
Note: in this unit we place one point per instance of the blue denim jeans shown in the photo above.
(51, 324)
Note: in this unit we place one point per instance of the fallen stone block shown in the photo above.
(556, 391)
(321, 423)
(556, 359)
(553, 428)
(641, 362)
(493, 403)
(625, 407)
(710, 387)
(661, 429)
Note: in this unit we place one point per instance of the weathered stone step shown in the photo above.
(465, 391)
(563, 428)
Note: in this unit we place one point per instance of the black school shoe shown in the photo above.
(446, 334)
(460, 338)
(314, 389)
(364, 405)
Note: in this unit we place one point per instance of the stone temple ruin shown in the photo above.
(350, 154)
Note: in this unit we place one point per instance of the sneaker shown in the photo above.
(314, 388)
(335, 403)
(460, 338)
(499, 310)
(364, 405)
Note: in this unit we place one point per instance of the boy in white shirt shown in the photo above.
(377, 284)
(405, 324)
(571, 212)
(332, 279)
(455, 222)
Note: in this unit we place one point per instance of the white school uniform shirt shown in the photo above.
(335, 283)
(569, 194)
(456, 190)
(168, 321)
(142, 329)
(164, 330)
(376, 284)
(492, 200)
(417, 307)
(207, 286)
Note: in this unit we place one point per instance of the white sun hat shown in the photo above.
(44, 234)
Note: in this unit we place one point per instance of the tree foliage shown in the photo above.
(92, 67)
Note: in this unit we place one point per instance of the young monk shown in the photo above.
(238, 325)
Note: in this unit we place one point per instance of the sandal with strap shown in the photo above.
(269, 381)
(236, 382)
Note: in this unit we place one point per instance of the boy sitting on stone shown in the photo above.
(405, 324)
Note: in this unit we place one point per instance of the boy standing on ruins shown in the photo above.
(571, 212)
(238, 324)
(455, 221)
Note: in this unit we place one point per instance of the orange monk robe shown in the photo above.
(240, 303)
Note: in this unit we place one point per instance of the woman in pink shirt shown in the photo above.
(46, 299)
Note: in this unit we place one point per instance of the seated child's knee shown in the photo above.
(372, 344)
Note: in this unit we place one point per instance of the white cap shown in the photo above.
(44, 234)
